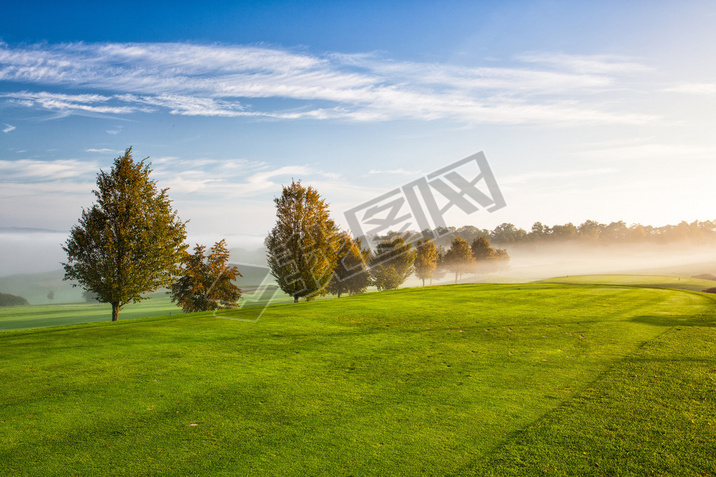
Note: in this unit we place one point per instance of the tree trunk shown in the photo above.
(295, 298)
(455, 278)
(115, 311)
(339, 294)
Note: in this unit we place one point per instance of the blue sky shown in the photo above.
(585, 110)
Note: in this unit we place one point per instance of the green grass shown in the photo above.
(650, 281)
(452, 380)
(41, 316)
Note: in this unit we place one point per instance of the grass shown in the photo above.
(41, 316)
(649, 281)
(44, 316)
(451, 380)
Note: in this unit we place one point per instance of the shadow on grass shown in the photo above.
(671, 321)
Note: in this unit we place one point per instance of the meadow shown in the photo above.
(582, 378)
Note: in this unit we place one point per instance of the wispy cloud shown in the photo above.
(8, 128)
(103, 150)
(395, 171)
(236, 81)
(30, 170)
(547, 175)
(693, 88)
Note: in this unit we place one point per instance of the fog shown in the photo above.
(33, 254)
(528, 263)
(28, 251)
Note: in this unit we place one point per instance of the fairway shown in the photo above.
(486, 379)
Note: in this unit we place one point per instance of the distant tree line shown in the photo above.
(310, 256)
(589, 232)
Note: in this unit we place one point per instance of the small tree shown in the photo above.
(351, 273)
(393, 262)
(487, 258)
(130, 242)
(458, 258)
(207, 282)
(500, 260)
(483, 254)
(426, 259)
(302, 246)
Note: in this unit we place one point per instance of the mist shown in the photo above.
(537, 262)
(31, 252)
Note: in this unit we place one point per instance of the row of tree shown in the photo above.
(131, 243)
(590, 232)
(310, 256)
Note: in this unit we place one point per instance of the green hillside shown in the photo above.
(454, 380)
(650, 281)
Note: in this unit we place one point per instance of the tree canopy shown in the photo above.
(426, 259)
(392, 262)
(130, 242)
(351, 274)
(458, 258)
(302, 246)
(206, 282)
(7, 299)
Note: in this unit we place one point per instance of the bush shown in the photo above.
(710, 290)
(12, 300)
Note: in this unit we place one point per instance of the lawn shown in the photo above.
(650, 281)
(41, 316)
(451, 380)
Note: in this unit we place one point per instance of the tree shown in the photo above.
(488, 259)
(458, 258)
(426, 259)
(393, 262)
(206, 282)
(7, 299)
(130, 242)
(508, 233)
(351, 273)
(441, 268)
(51, 295)
(302, 246)
(500, 260)
(481, 250)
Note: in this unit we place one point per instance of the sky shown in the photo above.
(584, 110)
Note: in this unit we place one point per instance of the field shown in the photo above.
(579, 378)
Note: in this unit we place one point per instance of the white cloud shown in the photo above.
(651, 152)
(104, 150)
(69, 103)
(693, 88)
(8, 128)
(540, 175)
(218, 80)
(34, 170)
(395, 171)
(587, 64)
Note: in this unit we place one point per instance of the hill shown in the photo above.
(486, 379)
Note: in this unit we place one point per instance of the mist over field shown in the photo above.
(30, 262)
(552, 260)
